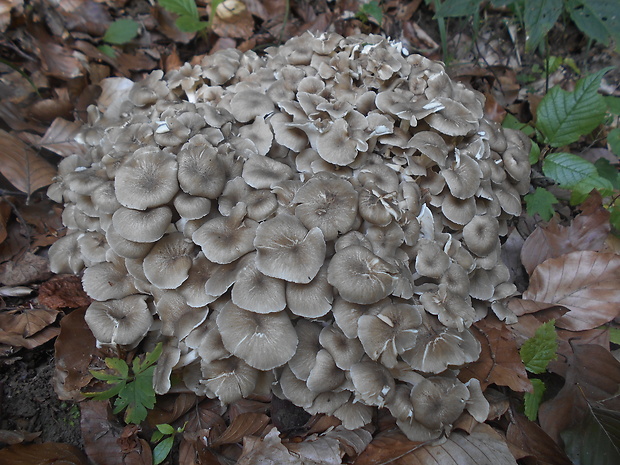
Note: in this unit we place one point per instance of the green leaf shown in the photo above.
(539, 350)
(137, 397)
(161, 450)
(121, 31)
(539, 18)
(181, 7)
(534, 399)
(370, 10)
(614, 335)
(156, 437)
(608, 171)
(568, 169)
(107, 50)
(583, 188)
(108, 393)
(613, 139)
(189, 24)
(598, 19)
(614, 218)
(563, 116)
(534, 155)
(511, 122)
(455, 8)
(596, 440)
(541, 202)
(165, 428)
(103, 376)
(613, 104)
(118, 365)
(151, 358)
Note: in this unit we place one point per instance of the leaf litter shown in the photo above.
(56, 71)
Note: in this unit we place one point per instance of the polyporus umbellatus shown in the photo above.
(322, 222)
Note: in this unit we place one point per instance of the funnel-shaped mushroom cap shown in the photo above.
(262, 172)
(142, 226)
(263, 341)
(147, 179)
(302, 362)
(438, 402)
(257, 292)
(311, 300)
(481, 235)
(287, 250)
(328, 203)
(463, 178)
(360, 276)
(167, 264)
(325, 375)
(201, 172)
(373, 383)
(105, 281)
(225, 239)
(123, 321)
(230, 379)
(344, 351)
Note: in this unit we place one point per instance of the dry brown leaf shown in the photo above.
(266, 451)
(569, 339)
(239, 26)
(483, 446)
(588, 231)
(22, 166)
(170, 408)
(43, 454)
(243, 425)
(63, 291)
(60, 138)
(529, 437)
(386, 447)
(73, 352)
(587, 283)
(352, 442)
(26, 269)
(593, 374)
(499, 361)
(101, 436)
(36, 340)
(26, 322)
(320, 450)
(5, 214)
(17, 437)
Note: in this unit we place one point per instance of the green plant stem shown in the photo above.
(24, 75)
(287, 11)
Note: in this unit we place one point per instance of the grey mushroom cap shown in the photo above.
(168, 263)
(142, 226)
(257, 292)
(263, 341)
(360, 276)
(124, 321)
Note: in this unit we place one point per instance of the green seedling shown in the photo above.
(161, 450)
(370, 10)
(120, 32)
(188, 18)
(133, 388)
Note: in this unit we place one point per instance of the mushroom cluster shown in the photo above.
(322, 222)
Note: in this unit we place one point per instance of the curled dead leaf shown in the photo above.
(43, 454)
(584, 282)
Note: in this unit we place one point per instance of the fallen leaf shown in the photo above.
(593, 375)
(568, 339)
(324, 450)
(266, 451)
(352, 442)
(17, 437)
(47, 453)
(588, 231)
(170, 408)
(530, 438)
(26, 269)
(26, 322)
(22, 166)
(63, 291)
(36, 340)
(5, 214)
(60, 138)
(243, 425)
(584, 282)
(386, 447)
(240, 26)
(499, 362)
(73, 351)
(101, 435)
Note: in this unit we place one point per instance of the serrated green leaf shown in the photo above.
(598, 19)
(582, 189)
(614, 218)
(539, 350)
(161, 450)
(608, 171)
(189, 24)
(165, 428)
(511, 122)
(563, 117)
(613, 139)
(541, 202)
(568, 169)
(456, 8)
(181, 7)
(108, 393)
(539, 17)
(151, 357)
(614, 335)
(596, 440)
(118, 365)
(121, 31)
(534, 155)
(533, 399)
(370, 10)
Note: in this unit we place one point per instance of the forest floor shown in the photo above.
(50, 68)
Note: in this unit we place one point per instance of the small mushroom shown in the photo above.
(123, 321)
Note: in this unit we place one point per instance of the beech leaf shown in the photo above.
(539, 350)
(22, 167)
(584, 282)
